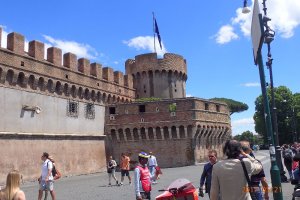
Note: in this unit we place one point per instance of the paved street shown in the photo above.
(94, 186)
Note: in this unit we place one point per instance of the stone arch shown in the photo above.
(93, 95)
(143, 133)
(73, 91)
(10, 77)
(50, 86)
(41, 84)
(127, 100)
(99, 96)
(128, 134)
(31, 82)
(121, 134)
(66, 90)
(109, 98)
(104, 97)
(166, 132)
(135, 134)
(80, 92)
(58, 88)
(113, 135)
(21, 80)
(113, 99)
(190, 131)
(158, 133)
(174, 132)
(150, 133)
(118, 99)
(86, 94)
(181, 132)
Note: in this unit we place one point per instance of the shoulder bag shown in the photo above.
(250, 188)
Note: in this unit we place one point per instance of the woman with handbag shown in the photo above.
(228, 179)
(111, 170)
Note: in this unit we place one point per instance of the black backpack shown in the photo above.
(54, 172)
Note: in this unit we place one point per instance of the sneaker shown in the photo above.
(121, 184)
(117, 182)
(109, 184)
(129, 183)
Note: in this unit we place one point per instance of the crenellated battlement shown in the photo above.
(62, 67)
(150, 62)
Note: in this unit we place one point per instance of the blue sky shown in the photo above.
(213, 36)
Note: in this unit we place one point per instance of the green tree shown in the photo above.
(234, 106)
(285, 103)
(248, 136)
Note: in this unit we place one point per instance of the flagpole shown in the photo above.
(154, 31)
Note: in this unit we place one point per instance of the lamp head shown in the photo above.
(245, 9)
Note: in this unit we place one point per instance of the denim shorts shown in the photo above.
(46, 186)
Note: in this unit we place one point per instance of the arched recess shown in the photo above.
(109, 98)
(166, 132)
(150, 133)
(113, 135)
(87, 94)
(143, 133)
(41, 84)
(104, 98)
(10, 76)
(50, 86)
(128, 134)
(135, 134)
(121, 134)
(31, 81)
(93, 95)
(80, 92)
(181, 132)
(1, 71)
(190, 131)
(66, 89)
(99, 99)
(21, 80)
(158, 133)
(174, 132)
(73, 91)
(58, 88)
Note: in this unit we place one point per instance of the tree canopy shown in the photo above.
(248, 136)
(288, 114)
(234, 106)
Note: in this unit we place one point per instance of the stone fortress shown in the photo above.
(81, 112)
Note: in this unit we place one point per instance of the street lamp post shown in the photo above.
(260, 35)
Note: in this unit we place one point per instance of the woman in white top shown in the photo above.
(12, 190)
(111, 169)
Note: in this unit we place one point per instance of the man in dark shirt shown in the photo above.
(206, 174)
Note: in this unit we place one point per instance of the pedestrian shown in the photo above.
(152, 164)
(228, 179)
(142, 178)
(207, 171)
(111, 170)
(287, 155)
(256, 179)
(12, 189)
(46, 178)
(125, 167)
(55, 173)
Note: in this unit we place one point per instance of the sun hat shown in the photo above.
(143, 155)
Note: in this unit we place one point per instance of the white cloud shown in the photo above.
(81, 50)
(285, 15)
(225, 35)
(146, 43)
(241, 125)
(251, 84)
(189, 95)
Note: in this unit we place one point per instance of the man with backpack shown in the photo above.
(46, 178)
(287, 155)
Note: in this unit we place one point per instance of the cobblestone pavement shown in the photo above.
(95, 186)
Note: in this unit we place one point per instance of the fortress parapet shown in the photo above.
(61, 68)
(153, 77)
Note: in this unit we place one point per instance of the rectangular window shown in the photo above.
(72, 108)
(206, 106)
(142, 108)
(90, 111)
(112, 110)
(218, 108)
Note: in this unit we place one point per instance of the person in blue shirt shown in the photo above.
(206, 174)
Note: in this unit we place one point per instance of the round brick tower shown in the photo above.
(163, 78)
